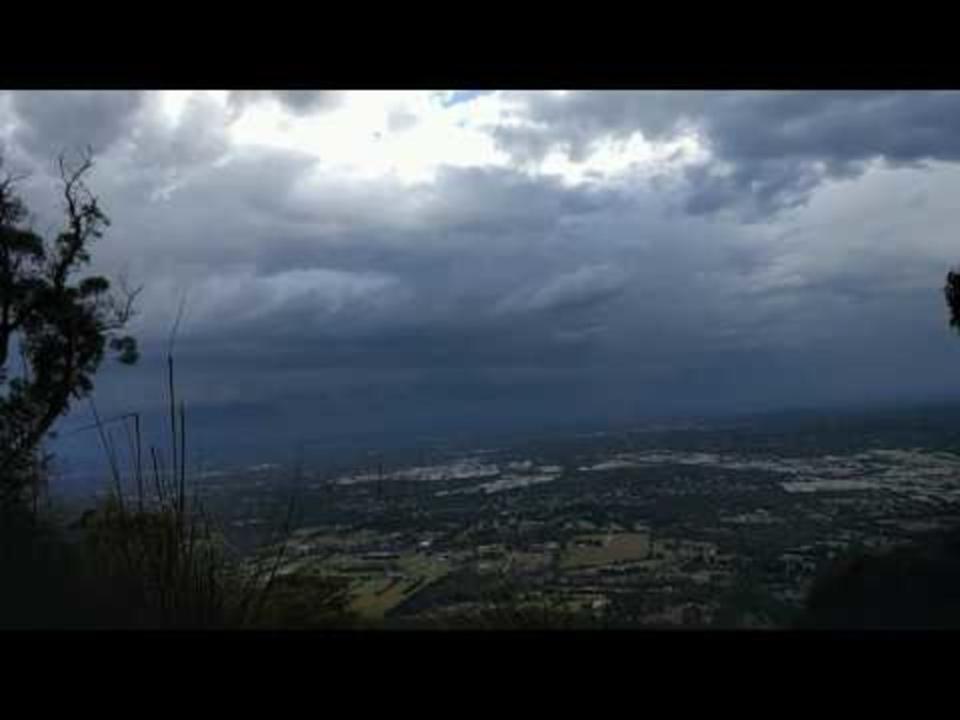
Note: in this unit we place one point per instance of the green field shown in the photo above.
(375, 596)
(614, 548)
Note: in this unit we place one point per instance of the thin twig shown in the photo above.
(156, 476)
(107, 450)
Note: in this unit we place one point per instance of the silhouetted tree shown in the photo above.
(58, 324)
(952, 293)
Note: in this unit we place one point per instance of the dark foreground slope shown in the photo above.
(909, 587)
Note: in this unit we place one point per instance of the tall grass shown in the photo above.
(164, 558)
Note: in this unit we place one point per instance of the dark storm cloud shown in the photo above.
(583, 288)
(318, 301)
(458, 287)
(301, 102)
(49, 122)
(769, 149)
(265, 265)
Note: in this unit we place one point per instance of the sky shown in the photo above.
(422, 262)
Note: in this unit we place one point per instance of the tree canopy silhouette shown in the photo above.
(952, 293)
(60, 324)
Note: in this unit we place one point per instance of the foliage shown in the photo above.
(912, 586)
(164, 573)
(60, 324)
(118, 567)
(951, 292)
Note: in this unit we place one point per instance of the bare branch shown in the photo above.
(84, 218)
(130, 294)
(10, 179)
(121, 308)
(93, 426)
(73, 182)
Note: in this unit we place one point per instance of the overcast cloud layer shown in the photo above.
(416, 261)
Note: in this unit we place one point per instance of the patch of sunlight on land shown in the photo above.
(376, 594)
(595, 550)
